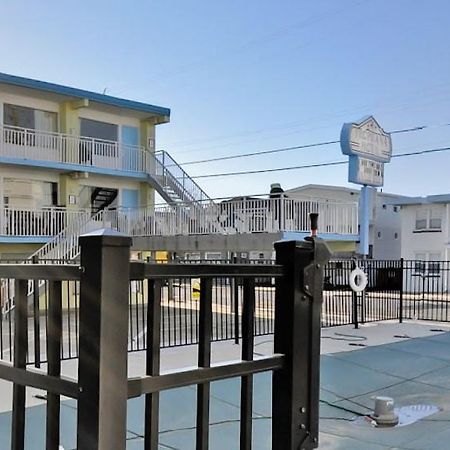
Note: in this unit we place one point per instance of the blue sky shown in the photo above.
(255, 75)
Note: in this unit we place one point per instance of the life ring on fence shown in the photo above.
(358, 280)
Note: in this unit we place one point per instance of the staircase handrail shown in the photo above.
(64, 245)
(170, 169)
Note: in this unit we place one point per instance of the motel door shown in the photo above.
(130, 155)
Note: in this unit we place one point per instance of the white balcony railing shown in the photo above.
(43, 222)
(230, 217)
(28, 144)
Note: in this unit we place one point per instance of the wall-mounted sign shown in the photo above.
(366, 138)
(365, 171)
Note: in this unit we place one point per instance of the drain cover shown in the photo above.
(407, 415)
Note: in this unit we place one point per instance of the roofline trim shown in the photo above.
(81, 93)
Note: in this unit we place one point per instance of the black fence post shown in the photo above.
(298, 303)
(102, 372)
(19, 361)
(402, 268)
(54, 336)
(355, 302)
(235, 296)
(36, 319)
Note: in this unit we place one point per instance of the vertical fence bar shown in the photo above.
(36, 319)
(402, 268)
(152, 362)
(235, 293)
(20, 357)
(295, 391)
(102, 372)
(354, 301)
(355, 309)
(204, 360)
(54, 335)
(248, 320)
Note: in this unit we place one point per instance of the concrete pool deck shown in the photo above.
(409, 362)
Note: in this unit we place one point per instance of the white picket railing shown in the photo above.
(36, 222)
(28, 144)
(257, 215)
(64, 246)
(236, 217)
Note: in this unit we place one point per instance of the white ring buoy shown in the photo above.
(358, 280)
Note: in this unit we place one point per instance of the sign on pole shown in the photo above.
(369, 147)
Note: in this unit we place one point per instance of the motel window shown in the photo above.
(421, 219)
(435, 219)
(428, 219)
(434, 265)
(427, 264)
(100, 132)
(34, 119)
(419, 264)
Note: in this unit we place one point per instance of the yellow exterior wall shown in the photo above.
(147, 133)
(68, 186)
(146, 195)
(69, 119)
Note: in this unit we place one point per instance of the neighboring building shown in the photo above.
(425, 228)
(385, 222)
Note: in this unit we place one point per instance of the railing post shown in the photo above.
(36, 319)
(298, 303)
(102, 372)
(19, 361)
(235, 304)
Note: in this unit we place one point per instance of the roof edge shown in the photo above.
(81, 93)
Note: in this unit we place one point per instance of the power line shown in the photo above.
(288, 125)
(310, 166)
(297, 147)
(264, 152)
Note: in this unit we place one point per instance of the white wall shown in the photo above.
(385, 218)
(414, 242)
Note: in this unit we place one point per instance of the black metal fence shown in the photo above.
(397, 290)
(104, 315)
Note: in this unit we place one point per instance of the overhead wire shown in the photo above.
(264, 152)
(301, 146)
(268, 129)
(314, 165)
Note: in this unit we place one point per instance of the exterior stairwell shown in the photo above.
(169, 179)
(101, 198)
(173, 183)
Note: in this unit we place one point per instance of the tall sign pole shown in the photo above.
(369, 147)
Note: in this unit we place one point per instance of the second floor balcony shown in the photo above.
(27, 146)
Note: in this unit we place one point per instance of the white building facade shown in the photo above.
(426, 228)
(385, 228)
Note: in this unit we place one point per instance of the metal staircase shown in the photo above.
(101, 198)
(169, 179)
(173, 183)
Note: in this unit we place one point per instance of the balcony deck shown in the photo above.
(28, 147)
(230, 218)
